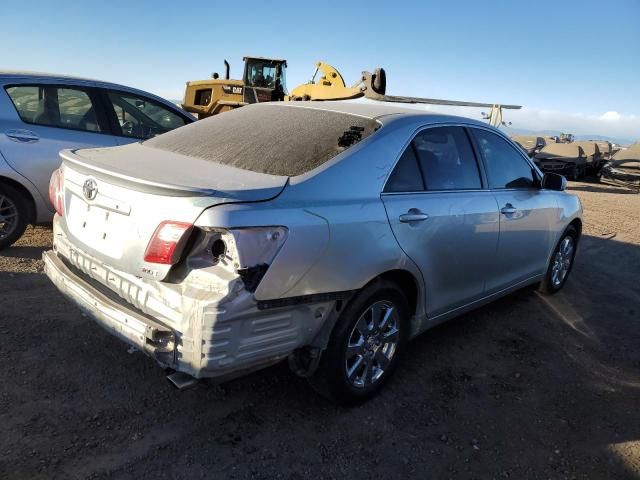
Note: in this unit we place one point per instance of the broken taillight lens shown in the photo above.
(56, 192)
(167, 242)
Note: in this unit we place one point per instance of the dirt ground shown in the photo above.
(528, 387)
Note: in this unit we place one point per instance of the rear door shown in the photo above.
(50, 117)
(443, 217)
(526, 212)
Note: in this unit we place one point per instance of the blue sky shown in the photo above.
(576, 63)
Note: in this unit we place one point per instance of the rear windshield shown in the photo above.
(272, 139)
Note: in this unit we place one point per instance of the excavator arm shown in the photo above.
(330, 86)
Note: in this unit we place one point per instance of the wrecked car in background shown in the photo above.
(594, 157)
(530, 144)
(624, 168)
(605, 148)
(568, 159)
(327, 234)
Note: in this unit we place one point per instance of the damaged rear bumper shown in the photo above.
(195, 327)
(153, 338)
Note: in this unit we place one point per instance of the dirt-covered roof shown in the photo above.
(630, 153)
(566, 150)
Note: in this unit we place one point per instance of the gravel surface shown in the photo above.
(527, 387)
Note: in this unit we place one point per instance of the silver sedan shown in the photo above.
(40, 114)
(328, 234)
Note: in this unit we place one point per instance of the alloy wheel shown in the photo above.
(372, 344)
(562, 261)
(8, 216)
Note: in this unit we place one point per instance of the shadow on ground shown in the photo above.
(602, 188)
(527, 387)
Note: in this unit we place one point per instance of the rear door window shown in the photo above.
(439, 158)
(55, 106)
(141, 117)
(505, 166)
(406, 176)
(446, 159)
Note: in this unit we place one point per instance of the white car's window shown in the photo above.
(438, 158)
(140, 117)
(505, 166)
(446, 159)
(55, 106)
(406, 176)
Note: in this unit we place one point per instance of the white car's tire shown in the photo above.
(365, 345)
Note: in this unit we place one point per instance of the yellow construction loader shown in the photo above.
(264, 80)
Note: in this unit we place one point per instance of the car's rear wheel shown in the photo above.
(561, 263)
(14, 212)
(364, 346)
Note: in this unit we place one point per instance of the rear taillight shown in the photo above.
(56, 192)
(167, 242)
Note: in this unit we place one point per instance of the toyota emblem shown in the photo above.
(90, 189)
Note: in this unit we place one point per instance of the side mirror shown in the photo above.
(553, 181)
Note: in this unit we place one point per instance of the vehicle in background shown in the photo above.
(567, 159)
(605, 148)
(623, 168)
(325, 233)
(264, 80)
(593, 156)
(530, 144)
(41, 114)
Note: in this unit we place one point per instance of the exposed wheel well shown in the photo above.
(407, 282)
(577, 224)
(19, 187)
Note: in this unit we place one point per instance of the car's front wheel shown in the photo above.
(561, 262)
(364, 346)
(14, 210)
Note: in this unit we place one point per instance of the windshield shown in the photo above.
(268, 138)
(261, 74)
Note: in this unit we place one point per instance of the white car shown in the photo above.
(325, 233)
(41, 114)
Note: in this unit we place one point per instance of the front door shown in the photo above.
(50, 118)
(526, 212)
(136, 117)
(442, 217)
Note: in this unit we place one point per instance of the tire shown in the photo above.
(349, 350)
(14, 215)
(560, 264)
(573, 175)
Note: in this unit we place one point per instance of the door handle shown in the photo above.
(22, 136)
(413, 215)
(509, 209)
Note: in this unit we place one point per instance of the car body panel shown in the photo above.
(454, 246)
(525, 236)
(145, 166)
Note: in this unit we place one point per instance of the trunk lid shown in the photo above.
(115, 198)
